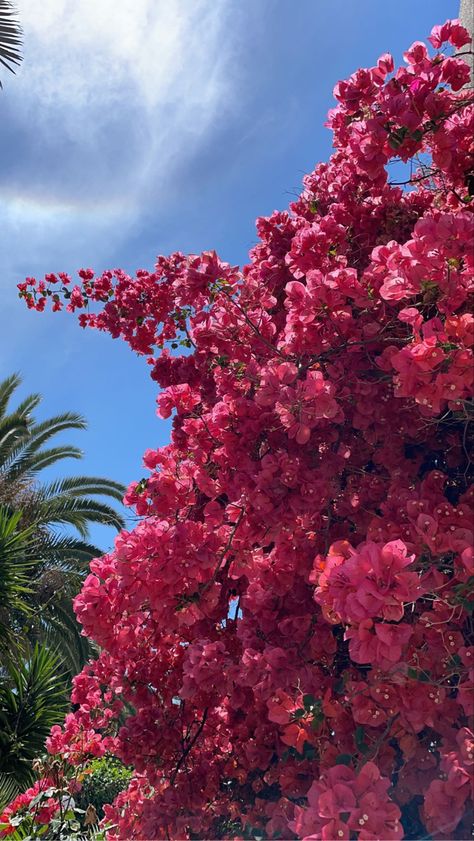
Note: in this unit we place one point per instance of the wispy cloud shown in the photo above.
(112, 98)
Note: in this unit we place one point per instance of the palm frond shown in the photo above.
(13, 429)
(13, 424)
(66, 552)
(27, 455)
(10, 37)
(32, 699)
(15, 569)
(27, 405)
(42, 432)
(9, 787)
(78, 512)
(43, 564)
(83, 486)
(7, 386)
(25, 462)
(62, 630)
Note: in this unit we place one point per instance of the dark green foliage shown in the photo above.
(48, 554)
(44, 556)
(33, 697)
(108, 778)
(15, 569)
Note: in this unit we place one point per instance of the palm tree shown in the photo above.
(57, 515)
(10, 37)
(44, 555)
(32, 699)
(14, 570)
(40, 573)
(33, 682)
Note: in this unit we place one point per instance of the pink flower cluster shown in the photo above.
(342, 803)
(299, 407)
(42, 813)
(445, 799)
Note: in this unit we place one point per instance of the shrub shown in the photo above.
(104, 779)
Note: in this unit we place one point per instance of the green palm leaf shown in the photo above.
(78, 512)
(27, 458)
(10, 37)
(11, 383)
(44, 556)
(82, 486)
(32, 699)
(65, 552)
(61, 629)
(15, 570)
(56, 558)
(13, 429)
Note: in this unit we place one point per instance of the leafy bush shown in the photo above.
(107, 778)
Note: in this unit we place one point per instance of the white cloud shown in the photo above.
(92, 55)
(112, 97)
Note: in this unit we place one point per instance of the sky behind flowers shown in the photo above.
(138, 127)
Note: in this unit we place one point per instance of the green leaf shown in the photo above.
(359, 738)
(343, 759)
(397, 137)
(32, 699)
(309, 751)
(317, 720)
(420, 675)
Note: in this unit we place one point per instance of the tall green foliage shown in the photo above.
(32, 699)
(45, 553)
(50, 523)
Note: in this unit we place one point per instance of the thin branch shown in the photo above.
(189, 748)
(254, 326)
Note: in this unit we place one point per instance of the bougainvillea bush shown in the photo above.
(286, 636)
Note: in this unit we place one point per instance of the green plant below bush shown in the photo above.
(102, 785)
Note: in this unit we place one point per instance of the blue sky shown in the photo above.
(138, 127)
